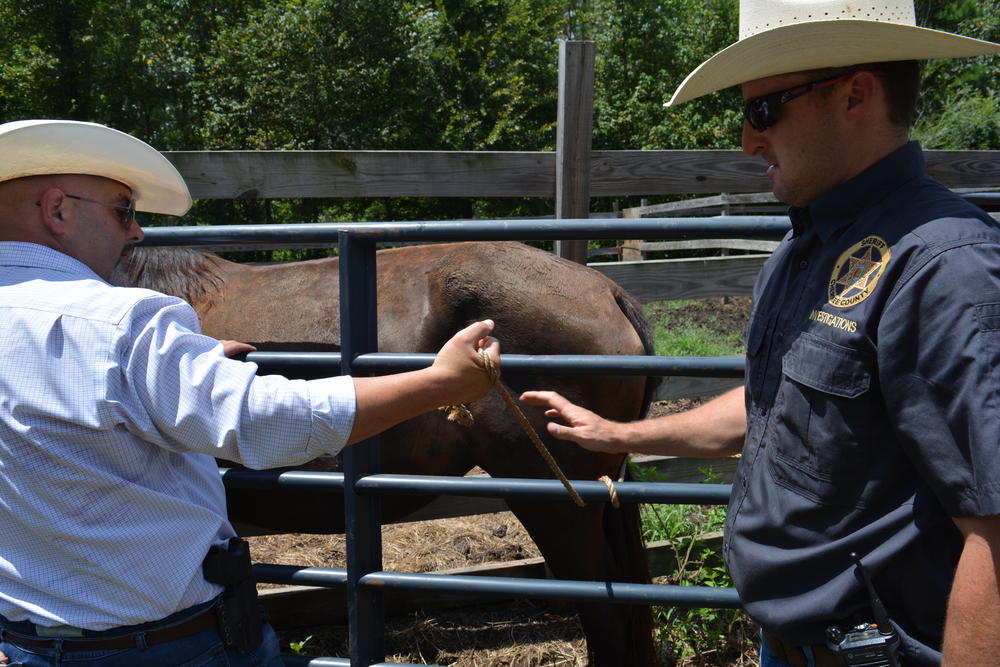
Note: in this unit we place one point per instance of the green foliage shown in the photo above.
(969, 120)
(298, 646)
(677, 522)
(25, 64)
(308, 74)
(694, 341)
(645, 49)
(699, 636)
(396, 74)
(411, 74)
(957, 92)
(676, 334)
(491, 68)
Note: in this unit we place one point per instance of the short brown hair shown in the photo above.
(901, 82)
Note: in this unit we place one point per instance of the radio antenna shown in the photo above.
(881, 615)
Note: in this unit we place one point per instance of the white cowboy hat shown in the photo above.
(41, 147)
(782, 36)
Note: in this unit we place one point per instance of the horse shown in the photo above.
(541, 304)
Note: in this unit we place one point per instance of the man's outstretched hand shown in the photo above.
(576, 424)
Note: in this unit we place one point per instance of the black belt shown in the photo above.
(199, 623)
(795, 656)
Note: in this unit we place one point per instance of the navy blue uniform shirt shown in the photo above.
(873, 407)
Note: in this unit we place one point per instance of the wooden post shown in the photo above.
(575, 122)
(629, 250)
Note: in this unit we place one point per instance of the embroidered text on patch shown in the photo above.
(857, 272)
(834, 321)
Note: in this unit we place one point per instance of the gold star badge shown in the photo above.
(857, 271)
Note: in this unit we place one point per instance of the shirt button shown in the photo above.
(803, 265)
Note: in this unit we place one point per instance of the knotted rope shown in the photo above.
(462, 415)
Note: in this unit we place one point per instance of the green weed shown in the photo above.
(299, 646)
(695, 636)
(694, 341)
(687, 328)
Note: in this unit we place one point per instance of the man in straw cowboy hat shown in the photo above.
(114, 534)
(870, 418)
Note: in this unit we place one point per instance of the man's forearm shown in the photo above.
(456, 376)
(384, 401)
(716, 428)
(972, 624)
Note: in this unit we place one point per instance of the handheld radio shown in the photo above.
(868, 644)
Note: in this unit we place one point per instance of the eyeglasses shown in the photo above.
(762, 112)
(126, 214)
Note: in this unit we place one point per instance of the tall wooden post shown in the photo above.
(575, 124)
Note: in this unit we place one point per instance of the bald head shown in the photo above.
(19, 217)
(85, 217)
(21, 212)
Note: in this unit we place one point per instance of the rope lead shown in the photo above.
(462, 415)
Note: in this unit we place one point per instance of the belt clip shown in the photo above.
(58, 631)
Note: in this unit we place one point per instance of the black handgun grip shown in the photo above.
(228, 566)
(238, 613)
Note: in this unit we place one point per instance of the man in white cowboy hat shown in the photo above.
(112, 407)
(870, 419)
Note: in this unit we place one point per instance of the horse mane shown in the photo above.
(182, 272)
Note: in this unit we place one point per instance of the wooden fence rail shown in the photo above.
(340, 174)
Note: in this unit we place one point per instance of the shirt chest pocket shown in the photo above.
(822, 420)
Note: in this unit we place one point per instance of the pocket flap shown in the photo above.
(828, 367)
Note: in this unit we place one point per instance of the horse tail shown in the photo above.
(623, 531)
(632, 310)
(623, 526)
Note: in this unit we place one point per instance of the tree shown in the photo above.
(959, 105)
(411, 74)
(645, 49)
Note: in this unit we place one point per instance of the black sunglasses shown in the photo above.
(762, 112)
(126, 214)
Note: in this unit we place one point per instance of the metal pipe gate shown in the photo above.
(361, 482)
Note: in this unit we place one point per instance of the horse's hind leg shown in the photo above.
(593, 543)
(585, 544)
(590, 543)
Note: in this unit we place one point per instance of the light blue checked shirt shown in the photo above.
(112, 407)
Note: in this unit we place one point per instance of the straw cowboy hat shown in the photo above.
(41, 147)
(782, 36)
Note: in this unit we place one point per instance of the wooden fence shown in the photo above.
(573, 174)
(348, 174)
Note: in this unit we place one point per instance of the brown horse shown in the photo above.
(541, 305)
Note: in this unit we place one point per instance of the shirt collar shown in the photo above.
(841, 205)
(33, 255)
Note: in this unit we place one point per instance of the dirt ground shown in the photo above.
(725, 315)
(525, 633)
(519, 633)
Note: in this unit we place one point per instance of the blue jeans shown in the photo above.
(768, 659)
(199, 650)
